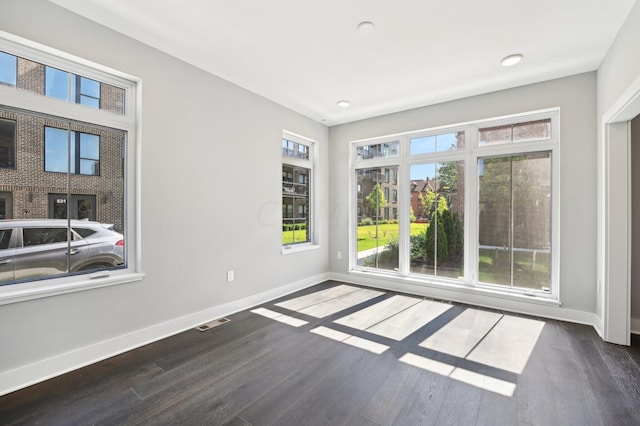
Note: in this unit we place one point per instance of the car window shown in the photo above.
(37, 236)
(5, 237)
(84, 232)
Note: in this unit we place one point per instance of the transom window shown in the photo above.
(36, 77)
(476, 204)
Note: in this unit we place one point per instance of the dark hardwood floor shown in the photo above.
(257, 371)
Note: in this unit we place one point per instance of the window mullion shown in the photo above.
(404, 201)
(471, 238)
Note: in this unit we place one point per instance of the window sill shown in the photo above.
(299, 248)
(15, 293)
(462, 286)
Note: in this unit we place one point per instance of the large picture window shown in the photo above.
(66, 173)
(297, 191)
(475, 204)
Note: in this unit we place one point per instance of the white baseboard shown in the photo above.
(30, 374)
(477, 298)
(635, 325)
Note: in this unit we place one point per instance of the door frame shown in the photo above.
(615, 218)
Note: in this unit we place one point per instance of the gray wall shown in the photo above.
(621, 65)
(211, 196)
(576, 97)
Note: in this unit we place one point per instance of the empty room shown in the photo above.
(341, 212)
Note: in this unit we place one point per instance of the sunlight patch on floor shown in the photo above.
(355, 341)
(277, 316)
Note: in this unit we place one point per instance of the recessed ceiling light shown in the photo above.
(365, 27)
(344, 104)
(324, 121)
(511, 60)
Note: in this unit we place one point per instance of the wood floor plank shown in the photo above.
(387, 401)
(570, 402)
(536, 401)
(451, 412)
(497, 410)
(333, 306)
(368, 317)
(406, 322)
(509, 344)
(463, 333)
(301, 302)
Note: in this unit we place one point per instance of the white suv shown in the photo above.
(31, 249)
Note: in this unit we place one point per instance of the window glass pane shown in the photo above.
(57, 83)
(89, 92)
(7, 144)
(382, 150)
(295, 150)
(436, 143)
(38, 236)
(8, 69)
(532, 131)
(89, 167)
(378, 229)
(520, 132)
(295, 205)
(437, 219)
(84, 232)
(56, 143)
(515, 220)
(89, 87)
(59, 202)
(89, 146)
(5, 238)
(92, 102)
(85, 208)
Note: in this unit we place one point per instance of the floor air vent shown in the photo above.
(211, 324)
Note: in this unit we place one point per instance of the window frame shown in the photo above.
(127, 122)
(310, 164)
(470, 153)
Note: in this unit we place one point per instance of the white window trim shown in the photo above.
(313, 191)
(469, 154)
(129, 122)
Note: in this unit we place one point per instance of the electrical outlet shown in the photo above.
(229, 276)
(339, 255)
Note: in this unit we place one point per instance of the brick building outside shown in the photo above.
(32, 182)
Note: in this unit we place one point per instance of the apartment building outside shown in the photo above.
(57, 168)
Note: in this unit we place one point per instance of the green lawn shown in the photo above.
(291, 237)
(367, 234)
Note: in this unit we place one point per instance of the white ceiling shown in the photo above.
(307, 55)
